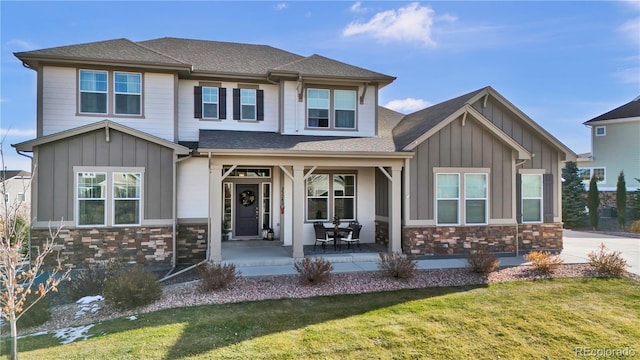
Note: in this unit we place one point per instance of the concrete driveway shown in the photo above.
(577, 245)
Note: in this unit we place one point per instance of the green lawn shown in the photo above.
(545, 319)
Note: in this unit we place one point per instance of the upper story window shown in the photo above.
(128, 93)
(93, 91)
(587, 173)
(210, 102)
(122, 98)
(331, 108)
(601, 130)
(247, 104)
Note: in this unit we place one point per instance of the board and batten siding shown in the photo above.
(56, 178)
(60, 108)
(189, 127)
(457, 146)
(295, 113)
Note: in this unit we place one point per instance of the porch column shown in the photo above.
(298, 211)
(395, 210)
(215, 213)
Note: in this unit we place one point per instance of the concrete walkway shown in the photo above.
(271, 258)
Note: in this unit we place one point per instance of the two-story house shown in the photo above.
(15, 186)
(615, 147)
(156, 151)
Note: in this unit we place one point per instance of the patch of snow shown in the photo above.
(89, 299)
(71, 334)
(132, 317)
(88, 304)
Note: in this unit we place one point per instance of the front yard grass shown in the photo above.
(543, 319)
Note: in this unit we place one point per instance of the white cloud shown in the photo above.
(628, 76)
(17, 132)
(22, 44)
(357, 8)
(631, 29)
(406, 24)
(407, 105)
(281, 6)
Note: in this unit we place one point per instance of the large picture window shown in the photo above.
(532, 198)
(128, 93)
(93, 92)
(126, 198)
(330, 195)
(328, 108)
(91, 194)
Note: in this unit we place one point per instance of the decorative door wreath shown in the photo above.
(247, 198)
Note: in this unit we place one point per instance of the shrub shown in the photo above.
(132, 288)
(396, 265)
(635, 227)
(608, 262)
(543, 261)
(39, 314)
(314, 271)
(483, 262)
(216, 276)
(90, 282)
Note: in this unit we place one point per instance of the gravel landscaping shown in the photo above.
(289, 286)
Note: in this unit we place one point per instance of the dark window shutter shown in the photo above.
(236, 104)
(260, 105)
(547, 198)
(197, 102)
(519, 198)
(222, 103)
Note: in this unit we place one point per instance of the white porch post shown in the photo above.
(298, 211)
(215, 212)
(395, 216)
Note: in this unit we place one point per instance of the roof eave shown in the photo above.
(611, 121)
(35, 61)
(306, 153)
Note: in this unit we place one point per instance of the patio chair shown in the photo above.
(353, 237)
(321, 235)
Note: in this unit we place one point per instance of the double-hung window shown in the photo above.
(126, 198)
(462, 197)
(108, 198)
(345, 109)
(92, 196)
(210, 102)
(532, 198)
(93, 91)
(128, 93)
(330, 195)
(247, 104)
(317, 108)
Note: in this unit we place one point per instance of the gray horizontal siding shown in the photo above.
(56, 179)
(469, 146)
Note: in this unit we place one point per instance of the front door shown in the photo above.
(247, 210)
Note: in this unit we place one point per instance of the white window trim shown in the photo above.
(328, 197)
(331, 121)
(115, 93)
(541, 198)
(591, 171)
(263, 209)
(254, 104)
(486, 199)
(114, 199)
(78, 199)
(435, 215)
(335, 109)
(604, 130)
(331, 211)
(109, 210)
(80, 91)
(328, 110)
(209, 102)
(461, 171)
(354, 196)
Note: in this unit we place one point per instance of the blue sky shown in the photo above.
(562, 63)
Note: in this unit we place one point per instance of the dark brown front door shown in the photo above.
(246, 210)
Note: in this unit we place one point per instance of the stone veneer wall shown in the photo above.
(452, 241)
(149, 246)
(192, 243)
(382, 233)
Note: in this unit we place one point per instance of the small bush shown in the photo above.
(131, 289)
(396, 265)
(314, 271)
(608, 263)
(635, 227)
(483, 262)
(543, 261)
(91, 282)
(39, 314)
(216, 276)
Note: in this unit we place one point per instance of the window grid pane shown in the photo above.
(531, 198)
(345, 108)
(344, 190)
(93, 91)
(247, 104)
(210, 102)
(91, 194)
(475, 192)
(318, 197)
(318, 108)
(447, 198)
(128, 92)
(126, 196)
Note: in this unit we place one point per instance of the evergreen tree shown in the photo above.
(573, 204)
(621, 200)
(593, 202)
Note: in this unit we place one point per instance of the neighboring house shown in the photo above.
(615, 147)
(155, 151)
(17, 194)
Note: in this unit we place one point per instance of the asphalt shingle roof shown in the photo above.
(628, 110)
(322, 66)
(8, 174)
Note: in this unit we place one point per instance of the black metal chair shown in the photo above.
(321, 235)
(353, 236)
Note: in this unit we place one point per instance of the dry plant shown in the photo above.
(544, 261)
(396, 265)
(483, 262)
(608, 263)
(314, 271)
(216, 276)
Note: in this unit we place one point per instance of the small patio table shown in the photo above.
(335, 233)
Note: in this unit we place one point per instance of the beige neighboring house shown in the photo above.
(615, 147)
(155, 151)
(17, 192)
